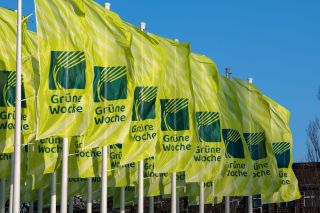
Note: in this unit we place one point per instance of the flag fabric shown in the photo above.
(5, 165)
(112, 85)
(207, 161)
(177, 128)
(8, 32)
(235, 178)
(193, 190)
(66, 69)
(256, 127)
(282, 146)
(131, 197)
(148, 64)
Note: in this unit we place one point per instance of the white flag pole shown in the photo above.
(174, 192)
(151, 204)
(201, 203)
(227, 198)
(3, 196)
(104, 180)
(250, 203)
(70, 206)
(89, 198)
(53, 206)
(64, 179)
(143, 26)
(40, 200)
(17, 135)
(122, 200)
(11, 184)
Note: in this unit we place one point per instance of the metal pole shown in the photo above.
(250, 204)
(31, 208)
(122, 200)
(89, 191)
(141, 192)
(40, 200)
(3, 195)
(71, 205)
(201, 203)
(11, 184)
(17, 135)
(173, 192)
(227, 198)
(151, 204)
(64, 179)
(53, 206)
(104, 180)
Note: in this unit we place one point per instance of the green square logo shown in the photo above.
(256, 143)
(174, 114)
(233, 143)
(282, 152)
(8, 90)
(110, 83)
(144, 103)
(208, 126)
(67, 70)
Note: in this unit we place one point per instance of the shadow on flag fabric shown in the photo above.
(8, 32)
(256, 127)
(282, 146)
(177, 131)
(206, 162)
(148, 65)
(66, 69)
(193, 190)
(112, 84)
(235, 177)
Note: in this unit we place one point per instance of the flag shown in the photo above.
(282, 146)
(112, 85)
(193, 190)
(5, 165)
(66, 69)
(206, 162)
(145, 120)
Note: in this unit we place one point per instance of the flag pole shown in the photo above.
(53, 206)
(227, 198)
(201, 202)
(250, 204)
(151, 204)
(143, 26)
(173, 192)
(11, 184)
(64, 179)
(17, 135)
(40, 200)
(70, 205)
(122, 200)
(31, 208)
(3, 195)
(89, 192)
(104, 169)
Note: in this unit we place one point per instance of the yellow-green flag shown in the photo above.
(66, 69)
(8, 32)
(177, 128)
(5, 165)
(206, 162)
(131, 197)
(282, 145)
(193, 190)
(112, 84)
(148, 64)
(235, 177)
(256, 127)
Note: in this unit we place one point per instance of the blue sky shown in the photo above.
(275, 42)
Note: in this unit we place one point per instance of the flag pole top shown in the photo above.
(107, 5)
(250, 80)
(143, 26)
(228, 72)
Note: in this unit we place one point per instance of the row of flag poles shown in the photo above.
(104, 86)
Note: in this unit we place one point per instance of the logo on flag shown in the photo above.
(110, 83)
(144, 103)
(8, 90)
(208, 126)
(256, 143)
(67, 70)
(174, 114)
(282, 152)
(233, 143)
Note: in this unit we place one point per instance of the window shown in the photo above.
(311, 198)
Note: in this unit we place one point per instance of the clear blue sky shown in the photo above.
(275, 42)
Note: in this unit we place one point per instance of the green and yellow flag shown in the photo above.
(8, 34)
(177, 128)
(131, 197)
(193, 190)
(207, 161)
(112, 85)
(66, 69)
(5, 165)
(282, 149)
(256, 127)
(148, 64)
